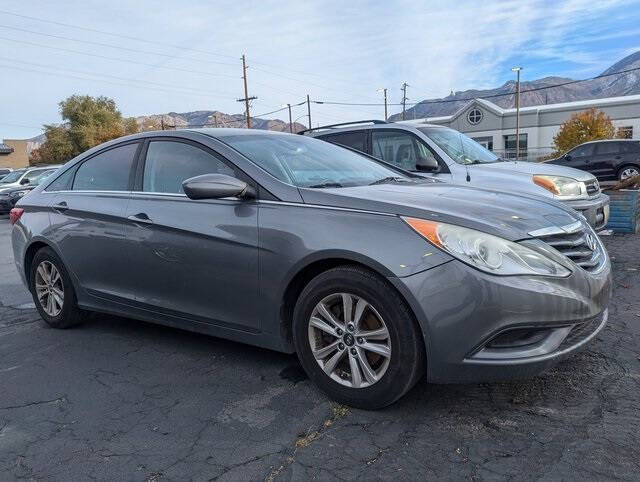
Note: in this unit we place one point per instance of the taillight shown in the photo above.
(15, 214)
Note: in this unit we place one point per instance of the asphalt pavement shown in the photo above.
(118, 399)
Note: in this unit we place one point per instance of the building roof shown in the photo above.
(578, 104)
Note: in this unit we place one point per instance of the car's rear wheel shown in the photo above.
(357, 339)
(628, 171)
(52, 290)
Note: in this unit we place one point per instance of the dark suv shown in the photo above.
(608, 160)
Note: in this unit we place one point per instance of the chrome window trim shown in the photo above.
(259, 201)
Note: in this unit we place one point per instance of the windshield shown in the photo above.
(307, 162)
(459, 147)
(11, 177)
(41, 177)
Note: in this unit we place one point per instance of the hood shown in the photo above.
(531, 168)
(4, 188)
(509, 216)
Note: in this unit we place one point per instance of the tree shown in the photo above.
(588, 125)
(87, 122)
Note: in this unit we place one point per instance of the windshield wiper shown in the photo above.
(385, 180)
(325, 184)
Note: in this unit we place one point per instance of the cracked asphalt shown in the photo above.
(118, 399)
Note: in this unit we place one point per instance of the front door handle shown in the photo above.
(140, 218)
(61, 206)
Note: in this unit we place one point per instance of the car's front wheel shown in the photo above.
(357, 339)
(52, 290)
(628, 171)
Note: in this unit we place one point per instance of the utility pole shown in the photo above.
(246, 92)
(290, 123)
(404, 98)
(517, 70)
(309, 110)
(384, 89)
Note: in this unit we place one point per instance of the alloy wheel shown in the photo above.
(49, 288)
(629, 172)
(349, 340)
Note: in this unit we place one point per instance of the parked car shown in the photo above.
(608, 160)
(4, 171)
(449, 155)
(22, 177)
(371, 276)
(10, 196)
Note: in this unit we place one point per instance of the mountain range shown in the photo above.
(604, 86)
(211, 118)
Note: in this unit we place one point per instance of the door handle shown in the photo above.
(61, 206)
(140, 218)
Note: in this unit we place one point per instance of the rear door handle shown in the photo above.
(140, 218)
(61, 206)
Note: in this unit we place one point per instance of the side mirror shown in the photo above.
(567, 157)
(428, 165)
(216, 186)
(25, 181)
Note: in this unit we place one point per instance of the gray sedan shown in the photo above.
(372, 276)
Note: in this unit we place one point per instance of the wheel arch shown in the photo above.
(312, 267)
(635, 165)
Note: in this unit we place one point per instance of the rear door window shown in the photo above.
(354, 140)
(108, 171)
(585, 150)
(169, 163)
(402, 149)
(605, 148)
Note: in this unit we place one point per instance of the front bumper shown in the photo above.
(5, 204)
(594, 209)
(464, 315)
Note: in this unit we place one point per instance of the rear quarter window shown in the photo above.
(354, 140)
(107, 171)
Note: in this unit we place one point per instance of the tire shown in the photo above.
(66, 315)
(624, 171)
(389, 378)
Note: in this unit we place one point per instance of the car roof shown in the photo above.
(387, 126)
(609, 140)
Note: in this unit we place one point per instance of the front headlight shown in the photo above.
(560, 186)
(486, 252)
(17, 194)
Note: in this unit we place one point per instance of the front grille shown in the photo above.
(576, 242)
(593, 187)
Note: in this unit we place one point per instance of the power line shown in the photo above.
(164, 44)
(84, 72)
(98, 80)
(116, 59)
(128, 37)
(100, 44)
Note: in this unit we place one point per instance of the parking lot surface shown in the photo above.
(121, 399)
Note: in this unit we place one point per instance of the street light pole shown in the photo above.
(384, 90)
(517, 70)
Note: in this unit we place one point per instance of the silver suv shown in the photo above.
(448, 155)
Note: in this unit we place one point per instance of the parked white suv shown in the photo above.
(22, 177)
(451, 156)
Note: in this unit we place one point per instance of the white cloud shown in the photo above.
(331, 50)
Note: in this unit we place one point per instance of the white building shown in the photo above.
(495, 127)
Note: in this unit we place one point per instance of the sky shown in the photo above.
(157, 56)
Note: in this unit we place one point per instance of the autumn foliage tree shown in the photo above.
(588, 125)
(87, 122)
